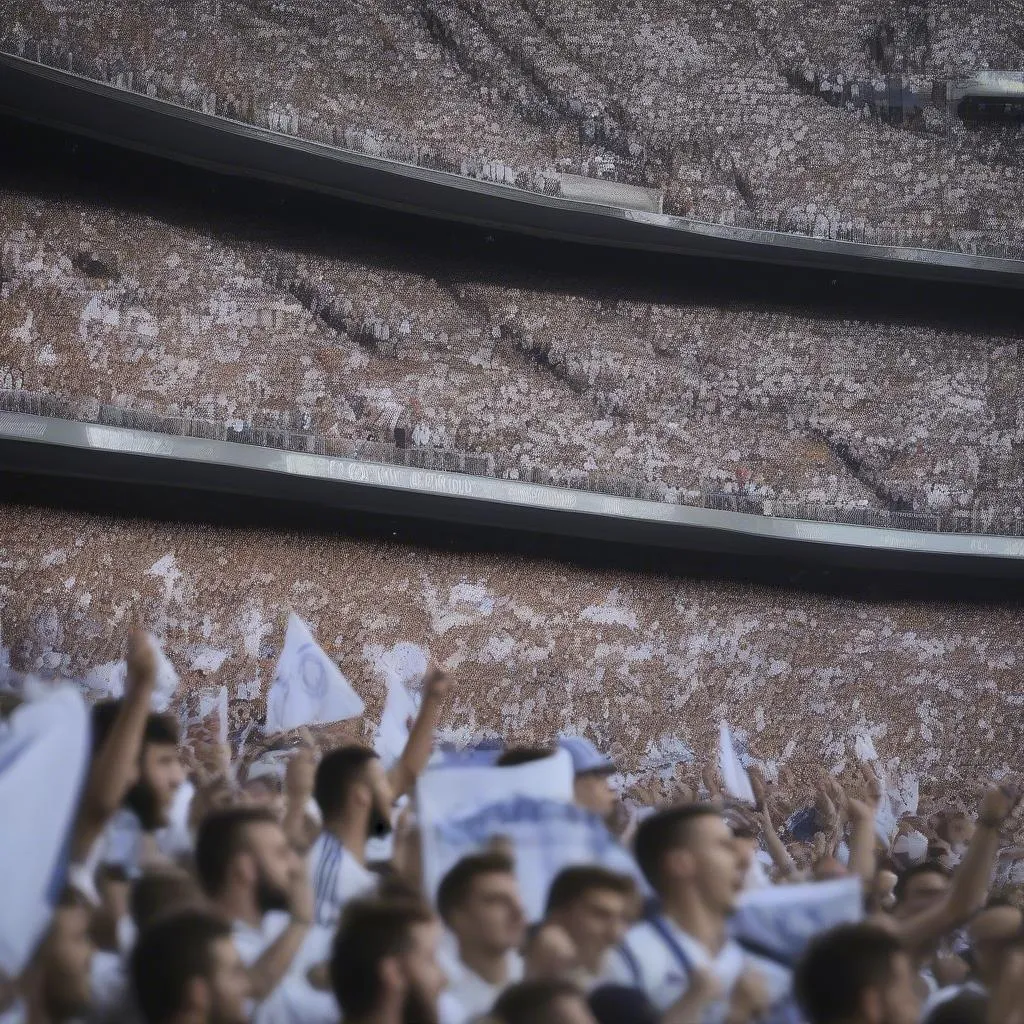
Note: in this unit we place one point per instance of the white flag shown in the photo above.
(734, 775)
(308, 688)
(108, 680)
(403, 667)
(44, 756)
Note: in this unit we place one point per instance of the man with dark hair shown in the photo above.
(857, 974)
(547, 1001)
(682, 956)
(384, 967)
(478, 899)
(134, 775)
(257, 881)
(356, 796)
(185, 968)
(931, 905)
(591, 906)
(355, 799)
(920, 887)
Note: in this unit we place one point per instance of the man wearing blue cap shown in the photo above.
(592, 768)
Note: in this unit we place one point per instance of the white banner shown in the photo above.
(462, 809)
(403, 667)
(781, 919)
(734, 775)
(44, 757)
(308, 688)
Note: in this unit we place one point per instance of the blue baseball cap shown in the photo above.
(586, 758)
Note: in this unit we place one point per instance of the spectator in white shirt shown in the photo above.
(384, 967)
(857, 974)
(186, 970)
(681, 955)
(256, 880)
(355, 798)
(478, 900)
(592, 906)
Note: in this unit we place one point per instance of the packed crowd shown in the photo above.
(727, 110)
(380, 351)
(296, 886)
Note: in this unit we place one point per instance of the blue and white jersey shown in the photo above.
(658, 958)
(337, 878)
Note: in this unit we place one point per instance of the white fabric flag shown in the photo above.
(404, 666)
(44, 757)
(108, 680)
(308, 688)
(734, 775)
(779, 920)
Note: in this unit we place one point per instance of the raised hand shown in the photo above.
(437, 684)
(300, 775)
(998, 805)
(141, 662)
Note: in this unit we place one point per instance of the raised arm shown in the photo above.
(298, 788)
(418, 748)
(971, 880)
(116, 765)
(276, 961)
(776, 848)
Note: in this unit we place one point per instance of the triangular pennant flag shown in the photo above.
(734, 775)
(44, 756)
(308, 688)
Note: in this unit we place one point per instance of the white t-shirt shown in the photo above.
(294, 1000)
(657, 957)
(337, 878)
(108, 984)
(469, 996)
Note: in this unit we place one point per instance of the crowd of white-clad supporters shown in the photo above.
(306, 899)
(551, 385)
(730, 110)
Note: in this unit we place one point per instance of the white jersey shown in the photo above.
(469, 996)
(294, 1000)
(337, 878)
(658, 957)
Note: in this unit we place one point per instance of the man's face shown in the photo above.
(596, 922)
(274, 864)
(424, 974)
(229, 985)
(492, 917)
(67, 961)
(161, 774)
(897, 1002)
(710, 862)
(921, 892)
(592, 792)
